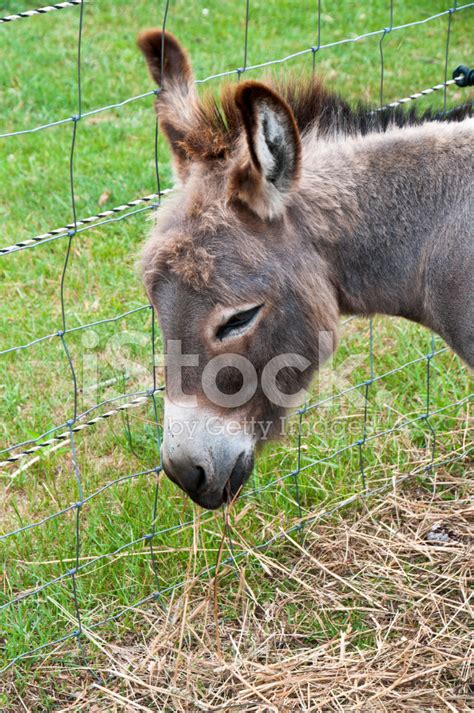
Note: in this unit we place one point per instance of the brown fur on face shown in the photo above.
(193, 264)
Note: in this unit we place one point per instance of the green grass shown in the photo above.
(114, 155)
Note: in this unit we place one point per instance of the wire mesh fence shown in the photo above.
(355, 444)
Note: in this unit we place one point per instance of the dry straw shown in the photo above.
(372, 612)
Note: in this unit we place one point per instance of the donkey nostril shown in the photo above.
(191, 478)
(200, 477)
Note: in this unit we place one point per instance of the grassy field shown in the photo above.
(114, 163)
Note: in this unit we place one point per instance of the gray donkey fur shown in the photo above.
(410, 253)
(294, 208)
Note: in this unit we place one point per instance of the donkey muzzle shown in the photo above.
(208, 456)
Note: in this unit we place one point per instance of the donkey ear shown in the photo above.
(176, 68)
(273, 142)
(169, 66)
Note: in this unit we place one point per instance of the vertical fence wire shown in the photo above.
(240, 70)
(72, 421)
(452, 10)
(315, 49)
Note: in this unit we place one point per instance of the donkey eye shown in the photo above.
(238, 323)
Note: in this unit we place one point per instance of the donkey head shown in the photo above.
(245, 322)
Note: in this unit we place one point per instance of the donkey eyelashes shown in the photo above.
(239, 323)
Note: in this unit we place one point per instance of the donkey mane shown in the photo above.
(315, 107)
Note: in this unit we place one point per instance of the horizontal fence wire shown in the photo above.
(139, 400)
(232, 559)
(39, 11)
(80, 423)
(153, 199)
(241, 70)
(66, 229)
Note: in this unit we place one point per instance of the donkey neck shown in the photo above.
(376, 205)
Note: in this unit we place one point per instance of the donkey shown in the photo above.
(291, 209)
